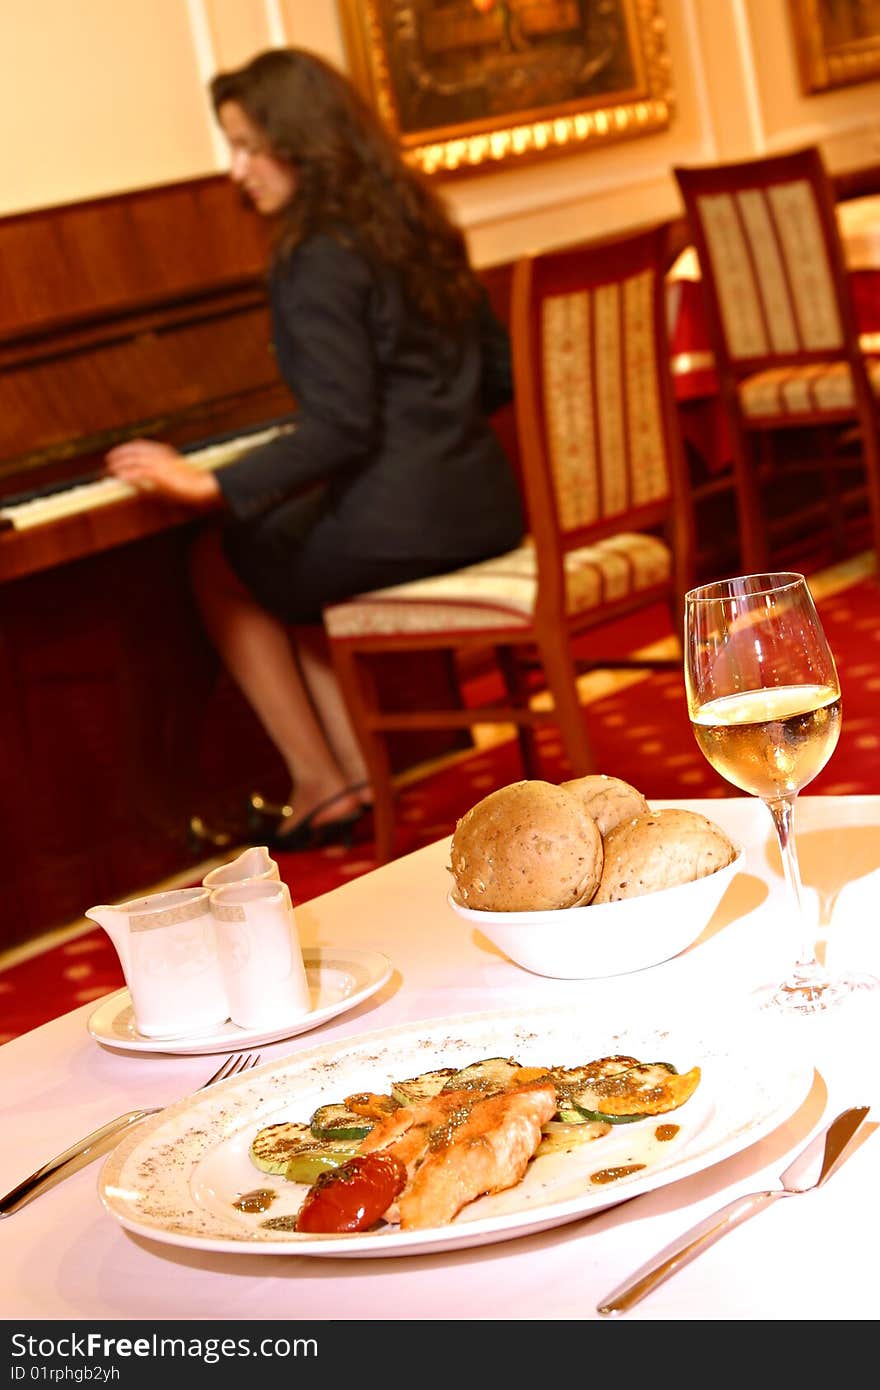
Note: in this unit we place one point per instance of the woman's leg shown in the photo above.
(317, 669)
(256, 649)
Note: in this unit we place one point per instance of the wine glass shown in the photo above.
(764, 705)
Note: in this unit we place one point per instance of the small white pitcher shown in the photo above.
(167, 946)
(260, 954)
(255, 862)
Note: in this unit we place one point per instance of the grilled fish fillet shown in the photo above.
(458, 1146)
(407, 1132)
(488, 1152)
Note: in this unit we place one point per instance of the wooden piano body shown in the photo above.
(142, 313)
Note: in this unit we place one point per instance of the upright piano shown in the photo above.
(143, 313)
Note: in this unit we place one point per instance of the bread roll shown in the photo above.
(609, 800)
(526, 847)
(659, 850)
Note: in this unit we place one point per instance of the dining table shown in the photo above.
(67, 1257)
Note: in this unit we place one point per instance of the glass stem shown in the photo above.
(782, 812)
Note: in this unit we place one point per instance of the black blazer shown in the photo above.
(392, 416)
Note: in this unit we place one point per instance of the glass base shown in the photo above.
(813, 992)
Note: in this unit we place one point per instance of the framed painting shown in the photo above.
(837, 42)
(475, 84)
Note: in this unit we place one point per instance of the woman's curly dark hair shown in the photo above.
(351, 175)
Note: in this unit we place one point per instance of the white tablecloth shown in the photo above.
(64, 1257)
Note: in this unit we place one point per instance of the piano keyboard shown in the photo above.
(84, 497)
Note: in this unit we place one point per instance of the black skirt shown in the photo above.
(299, 558)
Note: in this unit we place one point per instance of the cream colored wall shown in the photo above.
(97, 96)
(748, 54)
(103, 96)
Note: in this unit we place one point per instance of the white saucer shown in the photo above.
(338, 979)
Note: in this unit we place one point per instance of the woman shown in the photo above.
(392, 472)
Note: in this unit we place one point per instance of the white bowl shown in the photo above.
(581, 943)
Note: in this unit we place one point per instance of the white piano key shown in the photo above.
(83, 497)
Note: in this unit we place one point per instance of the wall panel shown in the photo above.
(315, 26)
(237, 30)
(845, 121)
(106, 96)
(98, 96)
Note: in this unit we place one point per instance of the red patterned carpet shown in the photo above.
(640, 733)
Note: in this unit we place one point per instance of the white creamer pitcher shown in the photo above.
(255, 862)
(167, 946)
(260, 953)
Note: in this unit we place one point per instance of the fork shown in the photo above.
(91, 1145)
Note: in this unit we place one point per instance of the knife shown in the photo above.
(798, 1177)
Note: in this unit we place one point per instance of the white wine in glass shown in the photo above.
(764, 704)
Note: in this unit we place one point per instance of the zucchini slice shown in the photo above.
(415, 1089)
(336, 1121)
(571, 1081)
(649, 1088)
(312, 1159)
(490, 1074)
(273, 1146)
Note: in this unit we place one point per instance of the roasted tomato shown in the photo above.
(354, 1196)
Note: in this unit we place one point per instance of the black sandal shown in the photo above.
(305, 834)
(262, 815)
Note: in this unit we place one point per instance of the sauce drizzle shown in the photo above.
(260, 1199)
(623, 1170)
(279, 1223)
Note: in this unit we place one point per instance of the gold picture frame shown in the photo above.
(472, 85)
(837, 42)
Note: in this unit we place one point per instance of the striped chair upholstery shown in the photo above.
(783, 334)
(775, 285)
(609, 525)
(500, 595)
(825, 389)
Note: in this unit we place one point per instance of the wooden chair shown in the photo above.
(799, 395)
(609, 527)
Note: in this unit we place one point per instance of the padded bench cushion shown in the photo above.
(499, 594)
(784, 391)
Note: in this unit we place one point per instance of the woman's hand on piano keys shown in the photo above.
(158, 469)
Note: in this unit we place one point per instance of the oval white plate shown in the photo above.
(338, 981)
(176, 1177)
